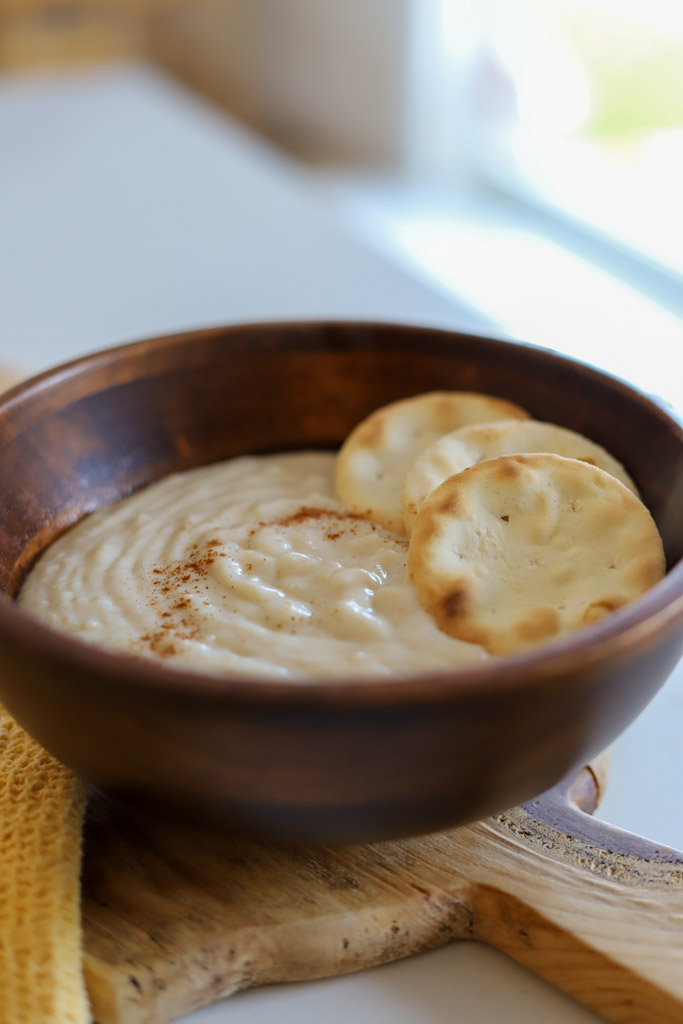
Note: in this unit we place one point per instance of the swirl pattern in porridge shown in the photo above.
(250, 567)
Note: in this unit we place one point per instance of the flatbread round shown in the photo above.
(468, 445)
(517, 550)
(373, 461)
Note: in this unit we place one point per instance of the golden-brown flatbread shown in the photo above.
(520, 549)
(373, 461)
(468, 445)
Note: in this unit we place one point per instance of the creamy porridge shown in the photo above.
(250, 567)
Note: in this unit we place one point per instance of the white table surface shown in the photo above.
(129, 208)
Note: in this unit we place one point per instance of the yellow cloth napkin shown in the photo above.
(41, 820)
(41, 817)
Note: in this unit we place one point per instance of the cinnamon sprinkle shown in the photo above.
(171, 582)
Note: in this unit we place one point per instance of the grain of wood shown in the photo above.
(175, 919)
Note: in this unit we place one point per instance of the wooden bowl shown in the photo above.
(334, 761)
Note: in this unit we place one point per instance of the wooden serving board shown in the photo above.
(175, 918)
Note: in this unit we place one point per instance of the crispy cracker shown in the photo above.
(376, 455)
(474, 443)
(523, 548)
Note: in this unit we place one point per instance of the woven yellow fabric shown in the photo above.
(41, 816)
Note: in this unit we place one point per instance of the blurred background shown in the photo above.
(508, 166)
(523, 155)
(589, 86)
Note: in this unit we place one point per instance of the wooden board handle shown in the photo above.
(595, 910)
(175, 919)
